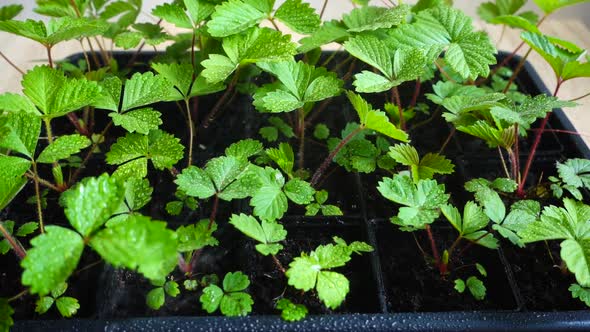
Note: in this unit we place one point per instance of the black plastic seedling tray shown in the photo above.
(387, 293)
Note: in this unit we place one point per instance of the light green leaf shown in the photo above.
(244, 149)
(559, 223)
(110, 95)
(225, 170)
(144, 89)
(488, 198)
(332, 288)
(196, 236)
(211, 298)
(128, 39)
(155, 298)
(199, 10)
(164, 149)
(268, 233)
(236, 304)
(67, 306)
(195, 182)
(173, 13)
(20, 132)
(459, 285)
(139, 120)
(329, 32)
(15, 103)
(232, 17)
(92, 202)
(43, 272)
(575, 172)
(8, 12)
(321, 131)
(12, 181)
(518, 22)
(290, 311)
(424, 168)
(283, 156)
(218, 68)
(27, 229)
(63, 147)
(369, 18)
(576, 255)
(476, 288)
(235, 282)
(549, 6)
(269, 201)
(298, 16)
(375, 120)
(140, 243)
(43, 304)
(579, 292)
(299, 191)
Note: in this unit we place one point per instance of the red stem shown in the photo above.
(318, 173)
(521, 193)
(18, 249)
(278, 263)
(220, 102)
(441, 267)
(416, 93)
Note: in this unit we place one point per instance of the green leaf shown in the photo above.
(459, 285)
(56, 30)
(155, 298)
(144, 89)
(236, 304)
(518, 22)
(173, 13)
(211, 298)
(476, 288)
(43, 272)
(140, 120)
(128, 40)
(6, 312)
(421, 200)
(375, 120)
(268, 233)
(469, 53)
(235, 282)
(199, 10)
(15, 103)
(27, 229)
(575, 172)
(223, 171)
(290, 311)
(20, 132)
(576, 255)
(140, 243)
(244, 149)
(486, 195)
(234, 16)
(579, 292)
(269, 201)
(321, 131)
(171, 288)
(549, 6)
(67, 306)
(283, 127)
(195, 182)
(92, 202)
(332, 288)
(54, 94)
(10, 11)
(43, 304)
(424, 168)
(283, 156)
(63, 147)
(299, 191)
(328, 32)
(270, 134)
(196, 236)
(369, 18)
(256, 45)
(298, 16)
(12, 170)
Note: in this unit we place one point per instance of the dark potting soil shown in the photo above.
(122, 292)
(542, 278)
(413, 283)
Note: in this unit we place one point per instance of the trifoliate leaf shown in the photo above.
(171, 288)
(469, 53)
(63, 147)
(140, 120)
(162, 148)
(20, 132)
(369, 18)
(196, 236)
(488, 198)
(231, 300)
(143, 89)
(472, 225)
(256, 45)
(397, 66)
(374, 119)
(92, 202)
(299, 191)
(579, 292)
(244, 149)
(549, 6)
(10, 11)
(233, 17)
(140, 243)
(43, 272)
(476, 288)
(54, 94)
(268, 233)
(56, 30)
(575, 172)
(421, 200)
(290, 311)
(191, 285)
(67, 306)
(298, 16)
(12, 181)
(321, 131)
(269, 201)
(300, 83)
(236, 304)
(155, 298)
(283, 156)
(424, 168)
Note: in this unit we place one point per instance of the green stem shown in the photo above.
(191, 132)
(38, 197)
(43, 182)
(301, 125)
(18, 296)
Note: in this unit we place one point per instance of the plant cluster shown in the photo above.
(103, 173)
